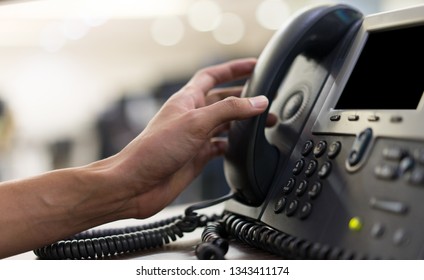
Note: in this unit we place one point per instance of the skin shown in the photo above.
(143, 178)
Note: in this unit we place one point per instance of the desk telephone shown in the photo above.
(341, 174)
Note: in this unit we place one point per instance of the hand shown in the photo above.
(138, 181)
(180, 139)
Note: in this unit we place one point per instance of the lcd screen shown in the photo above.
(389, 73)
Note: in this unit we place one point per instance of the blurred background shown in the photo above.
(80, 78)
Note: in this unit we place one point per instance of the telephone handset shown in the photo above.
(251, 161)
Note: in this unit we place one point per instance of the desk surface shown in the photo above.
(183, 248)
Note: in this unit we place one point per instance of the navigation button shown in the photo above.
(359, 147)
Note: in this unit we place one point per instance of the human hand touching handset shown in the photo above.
(140, 180)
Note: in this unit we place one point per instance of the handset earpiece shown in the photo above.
(251, 162)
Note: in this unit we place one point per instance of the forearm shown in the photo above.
(43, 209)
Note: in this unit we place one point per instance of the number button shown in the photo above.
(305, 210)
(279, 205)
(292, 207)
(320, 148)
(311, 167)
(307, 147)
(315, 190)
(334, 149)
(298, 166)
(301, 189)
(288, 187)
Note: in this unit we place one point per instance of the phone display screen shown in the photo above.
(389, 73)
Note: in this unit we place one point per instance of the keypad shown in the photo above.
(307, 181)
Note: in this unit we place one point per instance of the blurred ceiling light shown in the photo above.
(74, 29)
(55, 9)
(167, 31)
(203, 14)
(230, 29)
(55, 34)
(52, 37)
(272, 13)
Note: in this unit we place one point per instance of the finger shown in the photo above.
(221, 129)
(218, 94)
(271, 120)
(213, 148)
(229, 109)
(206, 79)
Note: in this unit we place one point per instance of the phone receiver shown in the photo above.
(251, 162)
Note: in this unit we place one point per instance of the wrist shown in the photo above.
(106, 191)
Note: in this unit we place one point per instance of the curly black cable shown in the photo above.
(213, 246)
(94, 244)
(263, 237)
(110, 242)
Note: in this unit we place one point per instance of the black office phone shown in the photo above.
(341, 174)
(344, 166)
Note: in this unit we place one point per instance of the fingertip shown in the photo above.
(259, 102)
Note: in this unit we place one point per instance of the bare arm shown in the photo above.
(138, 181)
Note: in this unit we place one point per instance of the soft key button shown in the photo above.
(391, 206)
(394, 153)
(386, 171)
(419, 155)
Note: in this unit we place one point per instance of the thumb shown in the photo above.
(234, 108)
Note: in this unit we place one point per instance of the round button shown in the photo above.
(377, 230)
(400, 237)
(311, 167)
(301, 189)
(320, 148)
(279, 205)
(334, 149)
(292, 207)
(307, 147)
(305, 210)
(325, 169)
(288, 187)
(315, 190)
(298, 166)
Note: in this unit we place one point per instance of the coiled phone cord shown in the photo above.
(215, 245)
(94, 244)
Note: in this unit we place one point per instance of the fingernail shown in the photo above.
(259, 102)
